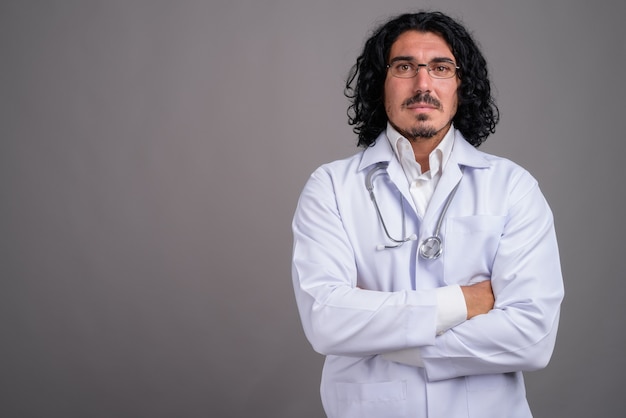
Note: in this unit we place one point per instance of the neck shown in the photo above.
(422, 147)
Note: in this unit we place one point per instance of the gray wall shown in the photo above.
(151, 156)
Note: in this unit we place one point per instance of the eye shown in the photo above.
(403, 68)
(441, 68)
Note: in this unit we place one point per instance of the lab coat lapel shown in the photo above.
(382, 151)
(449, 179)
(463, 155)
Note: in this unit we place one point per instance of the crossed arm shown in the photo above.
(479, 298)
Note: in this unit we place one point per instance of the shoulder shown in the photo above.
(512, 169)
(331, 177)
(352, 167)
(339, 170)
(492, 173)
(507, 176)
(488, 164)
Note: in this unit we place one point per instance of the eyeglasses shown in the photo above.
(409, 69)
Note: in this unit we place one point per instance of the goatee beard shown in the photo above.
(418, 132)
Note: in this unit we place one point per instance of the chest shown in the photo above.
(389, 236)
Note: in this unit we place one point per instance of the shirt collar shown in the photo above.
(437, 159)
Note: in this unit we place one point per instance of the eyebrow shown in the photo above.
(410, 58)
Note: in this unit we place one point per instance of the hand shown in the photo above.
(478, 298)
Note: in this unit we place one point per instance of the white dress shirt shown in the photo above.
(422, 185)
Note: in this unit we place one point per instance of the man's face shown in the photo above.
(422, 106)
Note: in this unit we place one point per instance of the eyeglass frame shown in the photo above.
(427, 66)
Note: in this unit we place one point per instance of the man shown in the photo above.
(427, 272)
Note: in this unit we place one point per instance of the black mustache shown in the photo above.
(422, 98)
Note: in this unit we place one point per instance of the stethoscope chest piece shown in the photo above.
(431, 248)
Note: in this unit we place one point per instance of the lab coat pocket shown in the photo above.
(381, 399)
(470, 246)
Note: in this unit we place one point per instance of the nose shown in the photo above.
(422, 78)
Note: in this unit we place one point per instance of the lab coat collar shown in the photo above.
(463, 153)
(380, 151)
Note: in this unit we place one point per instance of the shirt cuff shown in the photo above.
(451, 308)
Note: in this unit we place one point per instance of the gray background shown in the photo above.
(151, 157)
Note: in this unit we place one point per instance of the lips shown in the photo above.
(422, 101)
(422, 106)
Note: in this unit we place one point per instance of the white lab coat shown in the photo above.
(357, 302)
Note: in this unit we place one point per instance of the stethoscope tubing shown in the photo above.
(369, 184)
(431, 247)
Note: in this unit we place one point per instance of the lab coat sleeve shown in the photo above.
(519, 333)
(339, 318)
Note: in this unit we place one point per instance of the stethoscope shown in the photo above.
(432, 247)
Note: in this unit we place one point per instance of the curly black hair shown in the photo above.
(477, 113)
